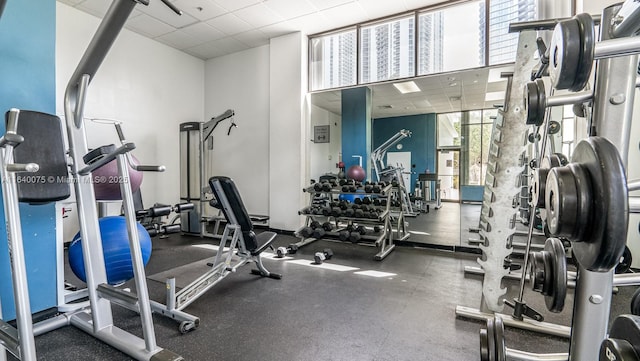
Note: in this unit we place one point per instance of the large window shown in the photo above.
(387, 50)
(476, 130)
(333, 60)
(450, 39)
(460, 36)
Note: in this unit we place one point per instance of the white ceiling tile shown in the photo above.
(206, 51)
(258, 15)
(230, 45)
(252, 38)
(179, 40)
(95, 7)
(203, 32)
(162, 12)
(233, 5)
(343, 15)
(148, 26)
(278, 29)
(291, 9)
(229, 24)
(325, 4)
(200, 9)
(311, 23)
(376, 8)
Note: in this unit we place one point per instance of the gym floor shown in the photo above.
(403, 310)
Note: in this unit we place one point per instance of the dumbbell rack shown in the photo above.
(390, 221)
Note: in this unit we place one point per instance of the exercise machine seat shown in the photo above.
(44, 145)
(254, 243)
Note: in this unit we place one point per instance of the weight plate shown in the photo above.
(501, 348)
(587, 46)
(535, 102)
(625, 261)
(561, 199)
(484, 345)
(635, 303)
(558, 277)
(538, 187)
(618, 350)
(564, 53)
(554, 127)
(602, 246)
(491, 337)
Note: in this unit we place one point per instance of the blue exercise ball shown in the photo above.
(115, 246)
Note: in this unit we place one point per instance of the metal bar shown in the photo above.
(547, 24)
(27, 348)
(525, 324)
(570, 98)
(634, 204)
(627, 19)
(616, 47)
(517, 355)
(633, 185)
(136, 255)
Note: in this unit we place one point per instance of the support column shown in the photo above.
(356, 127)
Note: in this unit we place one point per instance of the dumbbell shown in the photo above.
(283, 251)
(318, 233)
(349, 212)
(327, 226)
(306, 232)
(368, 188)
(357, 234)
(314, 224)
(344, 235)
(336, 211)
(320, 257)
(366, 200)
(326, 186)
(359, 213)
(317, 187)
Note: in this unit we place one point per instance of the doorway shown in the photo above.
(449, 174)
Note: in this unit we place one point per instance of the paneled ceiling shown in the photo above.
(211, 28)
(463, 90)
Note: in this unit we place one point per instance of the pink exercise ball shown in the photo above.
(356, 172)
(106, 182)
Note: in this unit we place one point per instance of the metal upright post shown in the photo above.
(612, 114)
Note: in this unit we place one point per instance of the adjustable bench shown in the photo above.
(239, 245)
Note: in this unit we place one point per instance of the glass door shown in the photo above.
(449, 174)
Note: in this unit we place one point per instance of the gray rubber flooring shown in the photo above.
(317, 313)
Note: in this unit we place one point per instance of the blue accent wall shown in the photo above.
(421, 144)
(27, 70)
(356, 127)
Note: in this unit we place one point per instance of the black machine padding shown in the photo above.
(239, 211)
(44, 145)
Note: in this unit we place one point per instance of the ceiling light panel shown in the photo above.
(407, 87)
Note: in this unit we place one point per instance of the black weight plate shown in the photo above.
(635, 303)
(587, 43)
(535, 102)
(564, 53)
(602, 247)
(625, 261)
(626, 327)
(561, 200)
(538, 187)
(555, 301)
(484, 345)
(501, 348)
(491, 337)
(618, 350)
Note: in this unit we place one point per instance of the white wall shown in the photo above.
(149, 86)
(324, 156)
(594, 6)
(289, 113)
(240, 81)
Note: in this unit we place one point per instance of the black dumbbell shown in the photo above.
(318, 233)
(327, 226)
(306, 232)
(320, 257)
(336, 211)
(373, 214)
(344, 235)
(366, 200)
(349, 213)
(383, 202)
(368, 188)
(376, 202)
(377, 229)
(326, 186)
(283, 251)
(317, 187)
(314, 224)
(359, 213)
